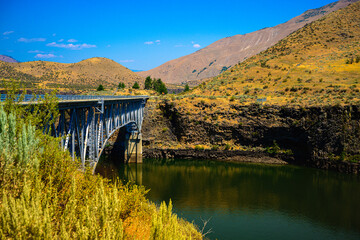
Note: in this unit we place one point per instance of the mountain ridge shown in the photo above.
(224, 53)
(318, 64)
(87, 74)
(6, 58)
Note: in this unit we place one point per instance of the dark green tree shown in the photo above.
(100, 88)
(121, 85)
(148, 83)
(159, 86)
(136, 85)
(187, 88)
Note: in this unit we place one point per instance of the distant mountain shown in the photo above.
(317, 65)
(86, 74)
(5, 58)
(221, 55)
(136, 70)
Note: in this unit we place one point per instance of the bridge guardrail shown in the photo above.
(29, 97)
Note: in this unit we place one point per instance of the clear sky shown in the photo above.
(137, 34)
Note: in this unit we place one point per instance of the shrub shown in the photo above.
(187, 88)
(45, 196)
(227, 147)
(274, 149)
(121, 85)
(215, 147)
(199, 147)
(136, 85)
(100, 88)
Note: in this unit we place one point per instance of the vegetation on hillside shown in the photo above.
(84, 75)
(316, 65)
(155, 84)
(45, 195)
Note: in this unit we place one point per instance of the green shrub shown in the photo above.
(136, 85)
(199, 147)
(100, 88)
(215, 147)
(227, 147)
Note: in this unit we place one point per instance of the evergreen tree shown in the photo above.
(187, 88)
(121, 85)
(100, 88)
(148, 83)
(136, 85)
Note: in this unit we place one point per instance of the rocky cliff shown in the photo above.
(323, 137)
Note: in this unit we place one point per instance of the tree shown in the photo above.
(148, 83)
(136, 85)
(159, 86)
(100, 88)
(121, 85)
(186, 88)
(155, 84)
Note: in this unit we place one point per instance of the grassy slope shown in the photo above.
(87, 74)
(309, 67)
(45, 196)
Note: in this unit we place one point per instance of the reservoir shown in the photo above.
(251, 201)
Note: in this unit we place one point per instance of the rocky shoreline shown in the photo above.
(218, 155)
(258, 157)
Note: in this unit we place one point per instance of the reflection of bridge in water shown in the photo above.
(86, 123)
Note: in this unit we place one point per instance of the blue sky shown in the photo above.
(137, 34)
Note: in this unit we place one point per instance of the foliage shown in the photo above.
(148, 83)
(274, 149)
(84, 75)
(155, 84)
(100, 88)
(187, 88)
(136, 85)
(165, 225)
(199, 147)
(297, 70)
(121, 85)
(44, 195)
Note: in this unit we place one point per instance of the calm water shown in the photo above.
(243, 201)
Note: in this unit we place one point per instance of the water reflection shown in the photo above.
(242, 193)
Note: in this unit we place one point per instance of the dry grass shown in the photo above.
(84, 75)
(309, 67)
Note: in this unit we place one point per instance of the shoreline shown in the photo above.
(258, 157)
(219, 155)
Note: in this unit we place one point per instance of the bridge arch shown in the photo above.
(85, 126)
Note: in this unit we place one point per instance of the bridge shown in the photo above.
(86, 123)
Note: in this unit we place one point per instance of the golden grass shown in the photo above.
(309, 67)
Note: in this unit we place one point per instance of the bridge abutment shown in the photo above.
(133, 147)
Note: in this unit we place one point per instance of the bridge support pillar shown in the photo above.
(133, 147)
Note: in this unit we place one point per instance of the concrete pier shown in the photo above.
(133, 147)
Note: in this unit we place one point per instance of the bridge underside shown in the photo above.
(85, 127)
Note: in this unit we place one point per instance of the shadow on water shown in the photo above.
(242, 193)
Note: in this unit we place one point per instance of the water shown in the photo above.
(247, 201)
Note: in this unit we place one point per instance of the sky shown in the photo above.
(139, 34)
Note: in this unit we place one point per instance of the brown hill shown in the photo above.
(86, 74)
(5, 58)
(316, 65)
(221, 55)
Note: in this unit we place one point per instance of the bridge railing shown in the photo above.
(29, 97)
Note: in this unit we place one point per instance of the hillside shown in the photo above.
(221, 55)
(87, 74)
(301, 97)
(5, 58)
(318, 64)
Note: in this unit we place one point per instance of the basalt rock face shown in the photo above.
(317, 136)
